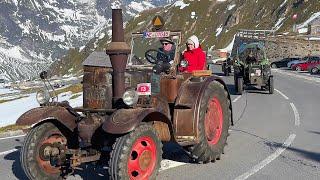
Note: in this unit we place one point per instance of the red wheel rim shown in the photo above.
(213, 121)
(143, 158)
(45, 164)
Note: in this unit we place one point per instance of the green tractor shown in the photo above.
(252, 68)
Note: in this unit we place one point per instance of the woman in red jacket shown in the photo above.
(194, 55)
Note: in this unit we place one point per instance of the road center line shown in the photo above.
(8, 152)
(236, 99)
(296, 115)
(10, 137)
(269, 159)
(286, 97)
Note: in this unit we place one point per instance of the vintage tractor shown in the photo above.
(252, 68)
(128, 110)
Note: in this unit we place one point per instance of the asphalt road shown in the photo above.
(274, 137)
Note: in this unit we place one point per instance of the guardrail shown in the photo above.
(256, 34)
(264, 34)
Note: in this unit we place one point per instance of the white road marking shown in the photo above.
(236, 99)
(168, 164)
(10, 137)
(269, 159)
(8, 152)
(296, 115)
(286, 97)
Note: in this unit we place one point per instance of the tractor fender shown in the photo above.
(40, 114)
(126, 120)
(186, 109)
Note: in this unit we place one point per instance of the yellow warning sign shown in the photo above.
(158, 22)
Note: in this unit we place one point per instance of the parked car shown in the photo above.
(283, 62)
(314, 69)
(291, 63)
(302, 60)
(313, 60)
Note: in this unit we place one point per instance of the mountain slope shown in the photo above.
(35, 33)
(215, 22)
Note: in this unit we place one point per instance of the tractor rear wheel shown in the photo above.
(271, 85)
(136, 155)
(37, 150)
(214, 122)
(239, 85)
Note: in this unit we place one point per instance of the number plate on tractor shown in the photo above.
(144, 89)
(159, 34)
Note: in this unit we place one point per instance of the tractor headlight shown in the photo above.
(43, 97)
(184, 63)
(130, 97)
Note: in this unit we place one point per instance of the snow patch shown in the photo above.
(140, 23)
(284, 2)
(116, 5)
(12, 110)
(302, 30)
(229, 46)
(13, 52)
(231, 7)
(180, 4)
(278, 24)
(140, 6)
(314, 16)
(219, 30)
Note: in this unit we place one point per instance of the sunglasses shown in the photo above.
(165, 44)
(190, 44)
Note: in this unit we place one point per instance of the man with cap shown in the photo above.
(167, 50)
(194, 55)
(165, 56)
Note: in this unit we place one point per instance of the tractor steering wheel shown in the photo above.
(151, 56)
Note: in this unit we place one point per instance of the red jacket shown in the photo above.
(196, 59)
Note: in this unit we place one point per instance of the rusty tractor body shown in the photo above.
(128, 110)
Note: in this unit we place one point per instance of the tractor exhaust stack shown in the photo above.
(118, 51)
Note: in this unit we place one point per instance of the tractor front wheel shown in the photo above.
(214, 121)
(136, 155)
(41, 144)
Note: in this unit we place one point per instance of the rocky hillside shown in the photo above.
(215, 22)
(35, 33)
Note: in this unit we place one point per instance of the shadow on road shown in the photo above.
(219, 74)
(174, 152)
(251, 134)
(16, 166)
(313, 156)
(314, 132)
(232, 89)
(90, 171)
(253, 89)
